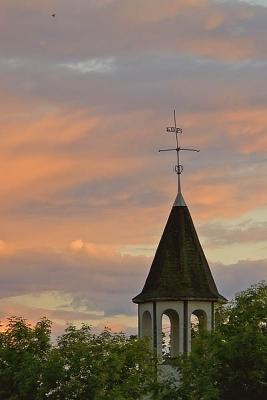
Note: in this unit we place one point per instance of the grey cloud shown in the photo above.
(94, 65)
(234, 278)
(142, 82)
(108, 284)
(88, 197)
(67, 315)
(217, 235)
(103, 284)
(85, 30)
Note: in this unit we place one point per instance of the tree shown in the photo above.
(23, 351)
(81, 365)
(230, 363)
(86, 366)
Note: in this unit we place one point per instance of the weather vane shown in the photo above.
(178, 168)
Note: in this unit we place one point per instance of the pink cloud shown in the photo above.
(81, 176)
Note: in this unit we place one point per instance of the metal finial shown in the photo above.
(178, 168)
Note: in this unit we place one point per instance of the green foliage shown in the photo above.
(230, 363)
(105, 366)
(81, 365)
(23, 351)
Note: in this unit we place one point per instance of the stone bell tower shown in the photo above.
(179, 282)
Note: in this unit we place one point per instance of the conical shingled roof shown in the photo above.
(179, 270)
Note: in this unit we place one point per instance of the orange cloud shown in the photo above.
(219, 201)
(81, 176)
(38, 166)
(37, 158)
(153, 11)
(236, 50)
(248, 128)
(215, 20)
(5, 248)
(94, 250)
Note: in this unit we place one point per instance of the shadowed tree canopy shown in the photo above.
(230, 363)
(81, 365)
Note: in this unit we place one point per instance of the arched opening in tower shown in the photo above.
(198, 322)
(166, 335)
(170, 333)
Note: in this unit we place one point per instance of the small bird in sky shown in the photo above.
(53, 15)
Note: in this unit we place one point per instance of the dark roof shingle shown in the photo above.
(179, 269)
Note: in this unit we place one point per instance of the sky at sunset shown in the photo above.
(85, 99)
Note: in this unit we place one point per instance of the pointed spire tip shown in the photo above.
(179, 201)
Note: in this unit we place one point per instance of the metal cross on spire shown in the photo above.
(178, 168)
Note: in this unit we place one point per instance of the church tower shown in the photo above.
(179, 282)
